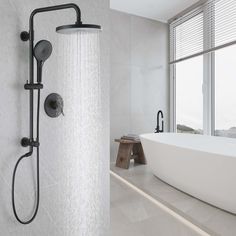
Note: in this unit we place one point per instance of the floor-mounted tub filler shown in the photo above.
(54, 103)
(202, 166)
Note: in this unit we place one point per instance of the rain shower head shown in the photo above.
(68, 29)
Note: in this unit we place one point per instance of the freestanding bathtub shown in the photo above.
(202, 166)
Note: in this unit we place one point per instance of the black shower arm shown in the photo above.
(56, 8)
(31, 27)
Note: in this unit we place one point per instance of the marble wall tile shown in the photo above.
(120, 89)
(120, 37)
(139, 74)
(148, 90)
(149, 42)
(120, 125)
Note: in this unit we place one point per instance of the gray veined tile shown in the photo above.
(202, 212)
(120, 89)
(222, 218)
(120, 38)
(209, 218)
(154, 50)
(132, 214)
(164, 226)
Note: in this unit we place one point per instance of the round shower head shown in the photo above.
(42, 50)
(69, 29)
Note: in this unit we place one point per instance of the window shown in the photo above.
(202, 62)
(189, 99)
(189, 74)
(225, 95)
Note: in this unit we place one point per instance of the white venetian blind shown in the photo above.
(207, 28)
(225, 21)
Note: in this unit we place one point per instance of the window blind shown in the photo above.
(207, 28)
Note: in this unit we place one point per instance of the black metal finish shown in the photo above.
(31, 143)
(42, 51)
(24, 35)
(31, 48)
(53, 105)
(56, 8)
(77, 26)
(25, 142)
(32, 86)
(158, 130)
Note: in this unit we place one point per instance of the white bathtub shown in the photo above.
(202, 166)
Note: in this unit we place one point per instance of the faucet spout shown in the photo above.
(158, 130)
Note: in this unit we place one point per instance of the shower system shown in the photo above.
(53, 104)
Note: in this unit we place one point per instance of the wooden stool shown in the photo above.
(129, 149)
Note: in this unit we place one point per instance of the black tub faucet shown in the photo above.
(158, 130)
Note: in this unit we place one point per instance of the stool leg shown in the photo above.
(124, 155)
(138, 150)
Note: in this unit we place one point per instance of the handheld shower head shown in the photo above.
(42, 51)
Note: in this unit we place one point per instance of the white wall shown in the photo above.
(139, 75)
(66, 181)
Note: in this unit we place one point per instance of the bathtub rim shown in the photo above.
(219, 153)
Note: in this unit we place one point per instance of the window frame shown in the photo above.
(208, 86)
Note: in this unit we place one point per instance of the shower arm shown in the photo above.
(31, 26)
(25, 36)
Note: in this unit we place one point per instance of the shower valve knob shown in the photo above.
(53, 105)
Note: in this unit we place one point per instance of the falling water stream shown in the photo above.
(81, 143)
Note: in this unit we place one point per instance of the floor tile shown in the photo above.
(211, 219)
(133, 214)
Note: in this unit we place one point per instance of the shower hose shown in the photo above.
(28, 154)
